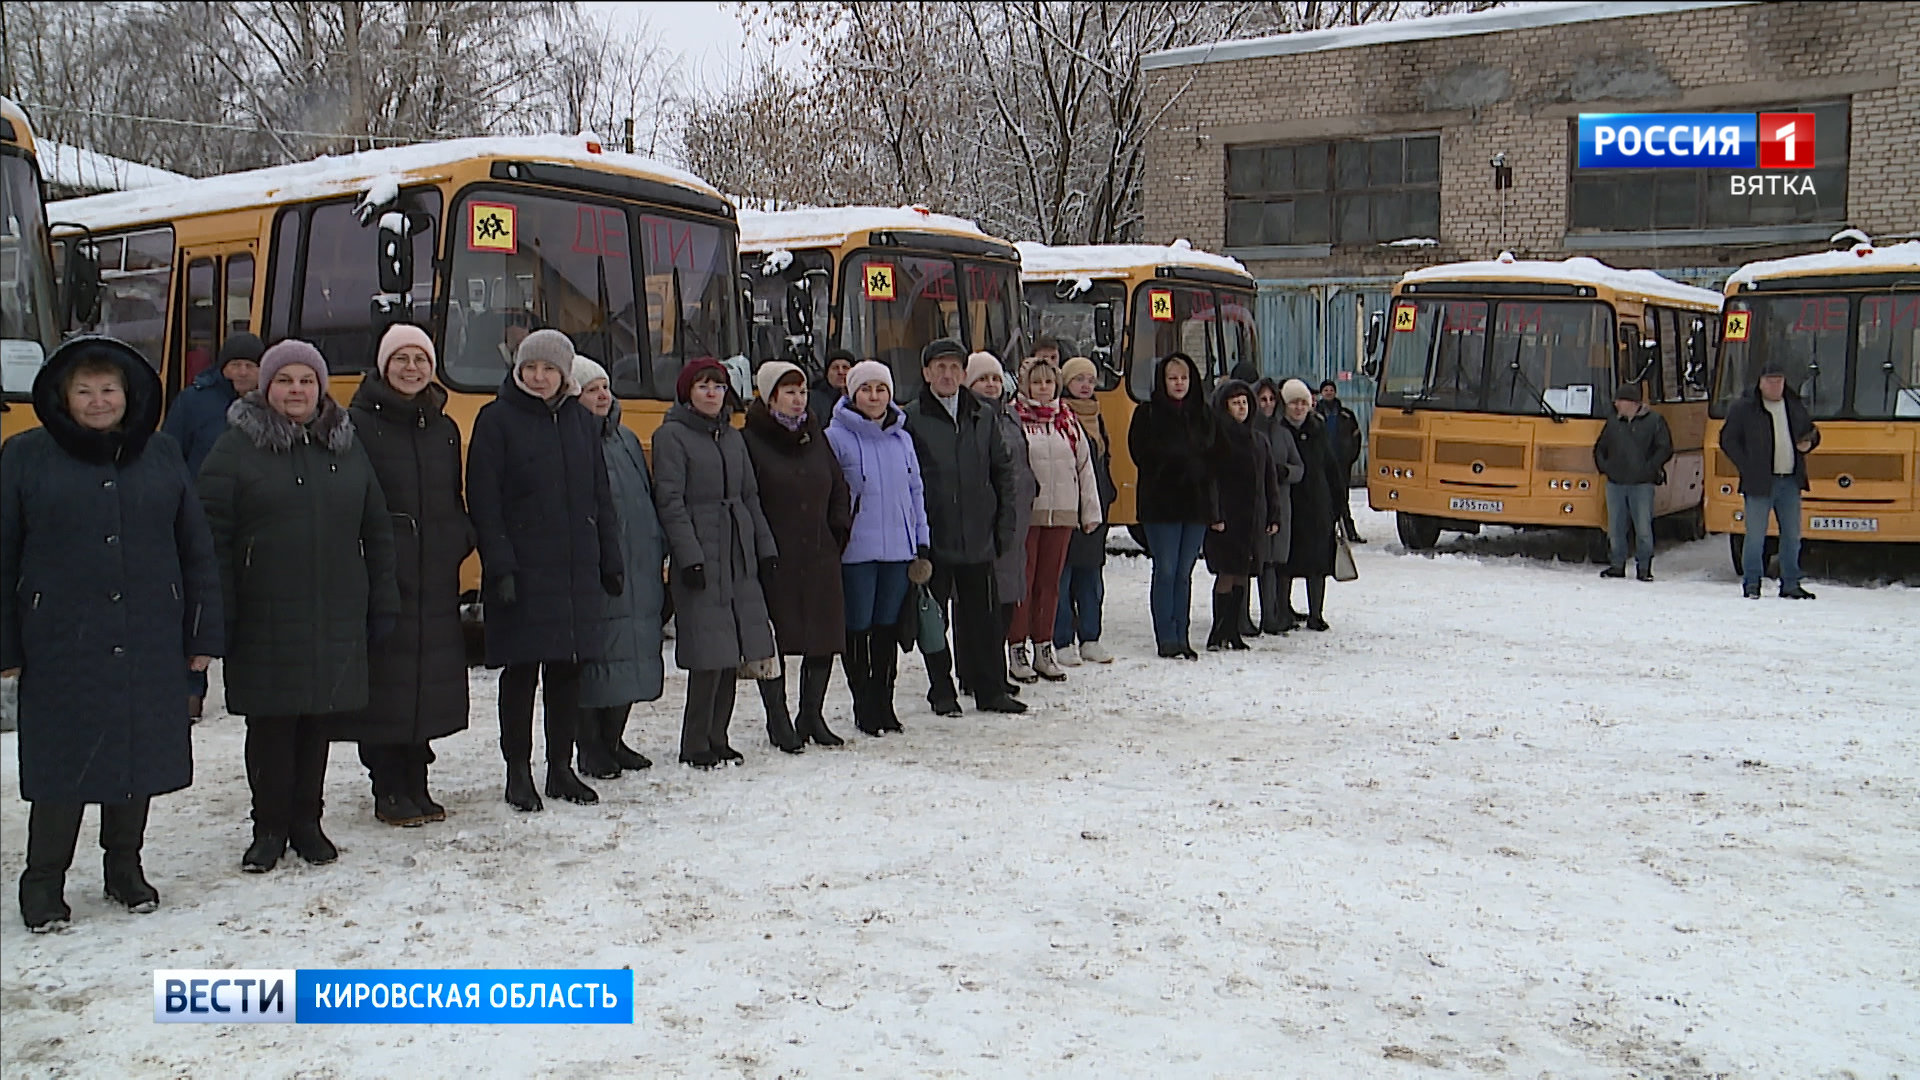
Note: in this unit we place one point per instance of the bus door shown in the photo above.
(218, 291)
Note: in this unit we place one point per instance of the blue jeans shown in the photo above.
(1630, 504)
(1174, 547)
(1783, 501)
(874, 592)
(1082, 590)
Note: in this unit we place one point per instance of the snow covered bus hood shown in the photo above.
(1862, 259)
(369, 170)
(833, 226)
(1049, 263)
(1644, 284)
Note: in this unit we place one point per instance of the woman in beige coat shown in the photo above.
(1068, 499)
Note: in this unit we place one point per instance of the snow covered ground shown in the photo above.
(1506, 819)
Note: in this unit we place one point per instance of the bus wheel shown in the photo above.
(1737, 546)
(1417, 532)
(1599, 548)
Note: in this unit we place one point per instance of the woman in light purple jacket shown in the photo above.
(888, 546)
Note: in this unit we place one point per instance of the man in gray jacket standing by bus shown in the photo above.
(1632, 453)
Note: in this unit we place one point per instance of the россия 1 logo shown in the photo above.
(1705, 141)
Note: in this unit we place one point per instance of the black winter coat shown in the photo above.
(199, 416)
(417, 676)
(968, 472)
(1747, 440)
(1315, 509)
(1344, 426)
(1173, 444)
(807, 507)
(110, 588)
(543, 511)
(305, 548)
(1246, 488)
(1634, 451)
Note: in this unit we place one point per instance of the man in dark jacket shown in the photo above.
(1767, 437)
(199, 414)
(968, 473)
(1632, 453)
(1344, 426)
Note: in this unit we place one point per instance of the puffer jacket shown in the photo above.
(883, 479)
(1067, 492)
(305, 547)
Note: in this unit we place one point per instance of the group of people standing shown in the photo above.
(318, 549)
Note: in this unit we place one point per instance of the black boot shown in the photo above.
(521, 794)
(1270, 621)
(123, 830)
(812, 723)
(1223, 616)
(1248, 628)
(1316, 603)
(1288, 620)
(780, 732)
(417, 775)
(1236, 639)
(590, 746)
(613, 727)
(884, 667)
(940, 692)
(858, 663)
(563, 784)
(310, 843)
(52, 831)
(269, 843)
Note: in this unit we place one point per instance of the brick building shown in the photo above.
(1308, 156)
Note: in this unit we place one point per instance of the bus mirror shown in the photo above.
(1376, 329)
(1698, 363)
(799, 310)
(80, 285)
(396, 252)
(1103, 326)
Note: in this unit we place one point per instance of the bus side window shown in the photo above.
(339, 275)
(237, 309)
(280, 267)
(136, 279)
(200, 328)
(1672, 386)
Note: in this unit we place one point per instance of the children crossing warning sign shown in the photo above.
(1160, 305)
(1404, 317)
(878, 281)
(1736, 326)
(490, 227)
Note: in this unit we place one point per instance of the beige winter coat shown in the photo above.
(1069, 492)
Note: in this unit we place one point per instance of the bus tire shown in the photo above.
(1599, 548)
(1417, 531)
(1737, 547)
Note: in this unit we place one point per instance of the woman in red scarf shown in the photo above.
(1069, 498)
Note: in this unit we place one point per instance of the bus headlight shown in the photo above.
(1393, 495)
(1739, 515)
(1554, 484)
(1726, 489)
(1566, 508)
(1585, 484)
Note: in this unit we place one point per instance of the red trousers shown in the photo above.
(1046, 557)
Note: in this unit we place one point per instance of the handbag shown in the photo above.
(1343, 567)
(760, 670)
(921, 623)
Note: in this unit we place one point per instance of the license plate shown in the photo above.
(1840, 524)
(1480, 506)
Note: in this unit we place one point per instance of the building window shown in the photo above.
(1647, 200)
(1369, 191)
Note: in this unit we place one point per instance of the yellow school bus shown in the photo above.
(1495, 379)
(29, 303)
(881, 283)
(1846, 325)
(480, 241)
(1125, 306)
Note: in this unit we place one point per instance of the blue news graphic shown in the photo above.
(419, 996)
(1668, 140)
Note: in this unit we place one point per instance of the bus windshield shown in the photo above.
(1541, 356)
(524, 261)
(1886, 374)
(28, 330)
(1169, 318)
(993, 310)
(1806, 334)
(1063, 311)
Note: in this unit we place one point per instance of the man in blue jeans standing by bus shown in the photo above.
(1767, 436)
(1632, 453)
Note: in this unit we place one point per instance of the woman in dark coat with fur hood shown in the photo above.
(305, 548)
(1314, 511)
(1173, 440)
(804, 496)
(1247, 490)
(112, 596)
(418, 677)
(549, 553)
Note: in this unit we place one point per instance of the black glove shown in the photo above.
(380, 627)
(694, 577)
(505, 591)
(768, 565)
(614, 582)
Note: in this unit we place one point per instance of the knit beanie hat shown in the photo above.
(706, 366)
(869, 371)
(586, 370)
(1295, 390)
(982, 364)
(772, 374)
(241, 346)
(397, 337)
(553, 347)
(292, 351)
(940, 347)
(1075, 368)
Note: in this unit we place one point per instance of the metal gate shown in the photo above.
(1315, 330)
